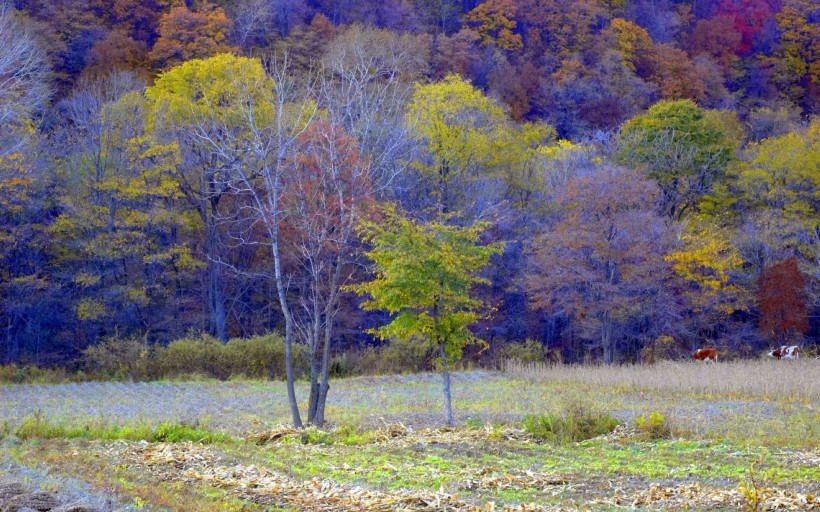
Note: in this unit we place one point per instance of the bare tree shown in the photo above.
(255, 19)
(358, 152)
(251, 129)
(24, 74)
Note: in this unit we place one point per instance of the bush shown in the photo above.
(403, 356)
(13, 374)
(116, 358)
(396, 357)
(576, 423)
(260, 357)
(531, 351)
(653, 426)
(203, 355)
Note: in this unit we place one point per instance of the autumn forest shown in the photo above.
(615, 181)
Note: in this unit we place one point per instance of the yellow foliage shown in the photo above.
(216, 90)
(634, 43)
(706, 262)
(494, 22)
(89, 309)
(14, 182)
(462, 131)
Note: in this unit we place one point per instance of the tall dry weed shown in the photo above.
(759, 379)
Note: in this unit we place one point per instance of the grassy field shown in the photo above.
(732, 436)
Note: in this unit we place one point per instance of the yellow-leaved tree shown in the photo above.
(705, 265)
(465, 140)
(238, 126)
(118, 238)
(196, 107)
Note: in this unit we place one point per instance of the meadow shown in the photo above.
(733, 436)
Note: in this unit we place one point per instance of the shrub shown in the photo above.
(395, 357)
(531, 351)
(13, 374)
(653, 426)
(403, 356)
(575, 423)
(260, 357)
(116, 358)
(202, 356)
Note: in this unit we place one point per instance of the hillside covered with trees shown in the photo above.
(640, 176)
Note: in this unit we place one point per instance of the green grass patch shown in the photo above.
(38, 427)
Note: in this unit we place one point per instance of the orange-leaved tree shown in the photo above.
(185, 34)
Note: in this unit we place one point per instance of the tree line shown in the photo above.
(171, 167)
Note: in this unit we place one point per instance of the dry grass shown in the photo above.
(793, 381)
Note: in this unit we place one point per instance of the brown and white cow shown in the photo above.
(707, 355)
(785, 352)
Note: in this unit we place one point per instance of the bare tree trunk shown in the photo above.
(606, 339)
(313, 401)
(330, 315)
(217, 321)
(283, 303)
(448, 402)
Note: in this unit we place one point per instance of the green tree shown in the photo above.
(424, 277)
(683, 147)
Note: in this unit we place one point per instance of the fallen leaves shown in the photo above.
(192, 462)
(697, 496)
(189, 462)
(400, 435)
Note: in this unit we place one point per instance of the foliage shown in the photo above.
(634, 44)
(777, 186)
(13, 374)
(424, 276)
(118, 358)
(709, 273)
(457, 127)
(201, 89)
(531, 351)
(186, 35)
(595, 262)
(578, 422)
(259, 357)
(123, 212)
(682, 148)
(782, 301)
(494, 22)
(653, 426)
(796, 60)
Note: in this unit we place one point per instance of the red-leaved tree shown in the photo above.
(782, 301)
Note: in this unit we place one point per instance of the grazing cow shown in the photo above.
(707, 355)
(786, 352)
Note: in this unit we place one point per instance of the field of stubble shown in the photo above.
(739, 436)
